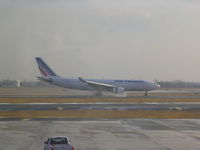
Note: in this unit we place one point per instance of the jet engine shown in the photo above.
(118, 90)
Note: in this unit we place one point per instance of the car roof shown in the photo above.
(58, 137)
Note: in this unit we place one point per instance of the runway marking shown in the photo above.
(60, 108)
(26, 119)
(176, 108)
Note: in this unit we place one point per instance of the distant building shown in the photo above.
(18, 83)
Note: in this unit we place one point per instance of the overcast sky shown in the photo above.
(116, 39)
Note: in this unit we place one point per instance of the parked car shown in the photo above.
(58, 143)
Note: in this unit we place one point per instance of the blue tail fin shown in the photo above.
(45, 70)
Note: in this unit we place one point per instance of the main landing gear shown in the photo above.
(145, 94)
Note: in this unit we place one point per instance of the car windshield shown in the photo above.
(58, 141)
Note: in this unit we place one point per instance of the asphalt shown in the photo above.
(92, 96)
(99, 106)
(101, 134)
(121, 134)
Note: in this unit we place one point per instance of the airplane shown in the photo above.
(99, 85)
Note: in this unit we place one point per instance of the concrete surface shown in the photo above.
(101, 106)
(131, 134)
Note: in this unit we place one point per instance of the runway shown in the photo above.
(109, 106)
(97, 123)
(53, 103)
(105, 96)
(99, 111)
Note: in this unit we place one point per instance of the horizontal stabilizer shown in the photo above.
(45, 79)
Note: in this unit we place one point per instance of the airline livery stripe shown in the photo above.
(129, 81)
(43, 72)
(44, 68)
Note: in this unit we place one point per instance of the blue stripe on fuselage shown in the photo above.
(132, 81)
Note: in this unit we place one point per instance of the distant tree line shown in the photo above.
(13, 83)
(178, 84)
(163, 84)
(8, 83)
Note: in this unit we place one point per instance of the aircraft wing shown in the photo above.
(98, 86)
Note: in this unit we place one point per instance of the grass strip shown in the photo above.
(104, 114)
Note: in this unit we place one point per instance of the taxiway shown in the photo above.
(126, 134)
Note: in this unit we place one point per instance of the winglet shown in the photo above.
(81, 79)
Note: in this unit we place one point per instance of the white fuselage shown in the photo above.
(128, 85)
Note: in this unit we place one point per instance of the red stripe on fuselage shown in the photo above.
(43, 72)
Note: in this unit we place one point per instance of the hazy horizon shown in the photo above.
(115, 39)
